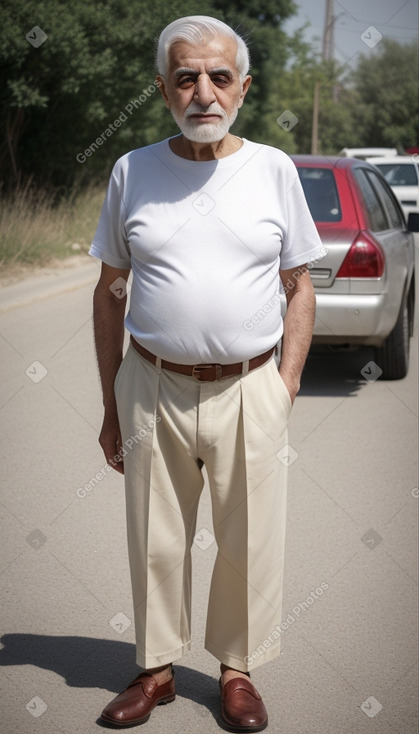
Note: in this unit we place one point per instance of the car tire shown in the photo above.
(393, 356)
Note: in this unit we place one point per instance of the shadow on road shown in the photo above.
(87, 662)
(335, 373)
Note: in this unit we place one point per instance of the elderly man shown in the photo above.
(208, 223)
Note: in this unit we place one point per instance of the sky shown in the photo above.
(359, 25)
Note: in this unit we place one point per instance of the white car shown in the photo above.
(365, 153)
(402, 174)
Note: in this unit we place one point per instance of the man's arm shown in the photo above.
(108, 320)
(298, 325)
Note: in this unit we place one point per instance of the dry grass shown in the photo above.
(35, 231)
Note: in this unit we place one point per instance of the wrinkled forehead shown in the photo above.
(213, 51)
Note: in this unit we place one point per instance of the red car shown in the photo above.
(365, 284)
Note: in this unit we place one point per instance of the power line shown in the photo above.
(341, 29)
(371, 21)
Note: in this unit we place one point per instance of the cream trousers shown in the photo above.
(172, 424)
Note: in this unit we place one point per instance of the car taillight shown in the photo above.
(365, 259)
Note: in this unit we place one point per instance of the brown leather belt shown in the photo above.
(204, 372)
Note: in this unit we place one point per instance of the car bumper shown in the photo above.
(353, 319)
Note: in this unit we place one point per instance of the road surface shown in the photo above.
(349, 650)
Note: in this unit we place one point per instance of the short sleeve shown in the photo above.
(302, 241)
(110, 243)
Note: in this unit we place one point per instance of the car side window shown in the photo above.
(321, 193)
(375, 211)
(394, 213)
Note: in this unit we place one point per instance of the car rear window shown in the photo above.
(322, 196)
(399, 174)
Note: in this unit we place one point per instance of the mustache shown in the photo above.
(214, 109)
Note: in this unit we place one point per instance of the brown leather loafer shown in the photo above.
(135, 704)
(242, 707)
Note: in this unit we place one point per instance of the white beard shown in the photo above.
(202, 132)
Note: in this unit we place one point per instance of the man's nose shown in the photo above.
(204, 92)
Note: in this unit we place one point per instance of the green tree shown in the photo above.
(291, 91)
(373, 105)
(386, 85)
(56, 99)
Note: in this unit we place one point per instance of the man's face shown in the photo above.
(203, 89)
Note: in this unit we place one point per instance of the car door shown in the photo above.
(388, 224)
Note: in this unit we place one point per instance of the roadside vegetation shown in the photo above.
(35, 229)
(80, 92)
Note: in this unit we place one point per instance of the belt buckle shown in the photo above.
(197, 367)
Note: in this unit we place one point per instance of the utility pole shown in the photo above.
(329, 23)
(315, 124)
(327, 55)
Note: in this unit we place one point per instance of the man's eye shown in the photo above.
(221, 81)
(186, 81)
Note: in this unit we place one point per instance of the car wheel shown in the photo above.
(393, 356)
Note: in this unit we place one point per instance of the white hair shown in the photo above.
(195, 29)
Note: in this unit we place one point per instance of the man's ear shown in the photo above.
(162, 86)
(245, 86)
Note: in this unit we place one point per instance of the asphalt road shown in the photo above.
(349, 657)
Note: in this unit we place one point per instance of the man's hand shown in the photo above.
(293, 386)
(111, 441)
(298, 326)
(108, 317)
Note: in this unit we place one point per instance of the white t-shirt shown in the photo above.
(205, 241)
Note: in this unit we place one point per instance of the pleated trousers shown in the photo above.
(171, 426)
